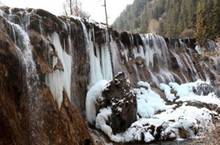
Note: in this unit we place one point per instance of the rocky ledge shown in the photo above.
(32, 116)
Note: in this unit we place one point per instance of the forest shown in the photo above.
(172, 18)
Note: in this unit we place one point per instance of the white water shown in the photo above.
(23, 42)
(106, 59)
(155, 47)
(100, 59)
(60, 80)
(116, 57)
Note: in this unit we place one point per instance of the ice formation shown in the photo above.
(102, 119)
(148, 102)
(60, 80)
(100, 58)
(93, 95)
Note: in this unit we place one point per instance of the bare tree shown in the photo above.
(74, 8)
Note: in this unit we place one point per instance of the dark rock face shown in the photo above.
(122, 101)
(31, 116)
(11, 88)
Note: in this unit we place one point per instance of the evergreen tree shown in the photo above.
(201, 17)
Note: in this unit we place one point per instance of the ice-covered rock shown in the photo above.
(148, 101)
(157, 120)
(122, 100)
(203, 89)
(198, 91)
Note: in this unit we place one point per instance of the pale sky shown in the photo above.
(93, 7)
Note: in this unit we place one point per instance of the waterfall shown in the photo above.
(24, 47)
(155, 49)
(100, 59)
(106, 60)
(145, 57)
(22, 41)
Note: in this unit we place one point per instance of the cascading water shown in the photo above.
(155, 54)
(100, 59)
(104, 59)
(153, 50)
(23, 45)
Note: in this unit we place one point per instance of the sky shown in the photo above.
(93, 7)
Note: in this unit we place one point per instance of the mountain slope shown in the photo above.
(171, 17)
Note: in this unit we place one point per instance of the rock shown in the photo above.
(12, 86)
(203, 89)
(217, 92)
(126, 39)
(123, 103)
(137, 40)
(183, 133)
(32, 116)
(140, 61)
(100, 36)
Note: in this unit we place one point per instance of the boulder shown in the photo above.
(122, 101)
(203, 89)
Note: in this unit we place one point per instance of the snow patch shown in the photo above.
(148, 102)
(167, 91)
(185, 93)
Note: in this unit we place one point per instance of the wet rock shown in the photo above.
(140, 61)
(125, 39)
(100, 35)
(217, 92)
(174, 64)
(122, 101)
(50, 22)
(183, 133)
(66, 126)
(34, 118)
(12, 86)
(137, 40)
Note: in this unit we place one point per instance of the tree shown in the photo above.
(74, 8)
(216, 19)
(201, 27)
(207, 24)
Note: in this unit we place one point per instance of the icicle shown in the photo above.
(100, 63)
(106, 63)
(60, 80)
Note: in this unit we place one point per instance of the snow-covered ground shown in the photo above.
(184, 92)
(159, 121)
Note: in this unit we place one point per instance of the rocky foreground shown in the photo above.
(180, 111)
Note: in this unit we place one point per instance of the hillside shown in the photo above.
(172, 18)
